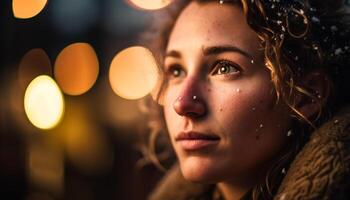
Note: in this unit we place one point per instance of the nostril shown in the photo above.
(193, 115)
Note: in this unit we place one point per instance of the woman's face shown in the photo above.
(219, 103)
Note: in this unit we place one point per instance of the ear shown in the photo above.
(318, 84)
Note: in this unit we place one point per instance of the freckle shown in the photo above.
(261, 101)
(209, 90)
(220, 109)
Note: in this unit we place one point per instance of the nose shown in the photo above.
(190, 105)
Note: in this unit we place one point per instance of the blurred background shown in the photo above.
(73, 75)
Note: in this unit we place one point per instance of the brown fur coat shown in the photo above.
(320, 171)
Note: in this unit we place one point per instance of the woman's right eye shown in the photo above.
(175, 71)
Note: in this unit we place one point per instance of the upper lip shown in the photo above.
(196, 136)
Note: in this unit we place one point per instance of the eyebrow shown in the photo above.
(213, 50)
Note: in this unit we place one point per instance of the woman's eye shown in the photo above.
(175, 71)
(225, 67)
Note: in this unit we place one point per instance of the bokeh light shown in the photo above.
(24, 9)
(150, 4)
(34, 63)
(43, 102)
(133, 73)
(76, 68)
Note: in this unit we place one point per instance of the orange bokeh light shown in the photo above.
(150, 4)
(24, 9)
(34, 63)
(133, 73)
(76, 68)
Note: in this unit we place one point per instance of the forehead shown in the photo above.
(211, 23)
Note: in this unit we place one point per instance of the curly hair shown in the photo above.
(297, 37)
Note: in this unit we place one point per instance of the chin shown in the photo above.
(200, 170)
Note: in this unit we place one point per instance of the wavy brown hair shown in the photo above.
(297, 37)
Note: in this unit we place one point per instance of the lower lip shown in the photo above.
(191, 145)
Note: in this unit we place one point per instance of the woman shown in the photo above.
(245, 85)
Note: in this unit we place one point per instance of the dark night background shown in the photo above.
(40, 165)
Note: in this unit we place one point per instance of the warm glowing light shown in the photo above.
(150, 4)
(76, 68)
(43, 102)
(133, 73)
(25, 9)
(34, 63)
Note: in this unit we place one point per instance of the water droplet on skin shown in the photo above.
(289, 133)
(238, 90)
(253, 109)
(261, 125)
(194, 97)
(336, 121)
(252, 61)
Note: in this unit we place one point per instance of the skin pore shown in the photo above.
(218, 85)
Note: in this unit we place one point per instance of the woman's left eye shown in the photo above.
(225, 67)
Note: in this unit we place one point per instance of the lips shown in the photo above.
(191, 141)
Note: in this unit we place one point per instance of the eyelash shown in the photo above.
(175, 71)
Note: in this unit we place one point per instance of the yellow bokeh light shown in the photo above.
(150, 4)
(24, 9)
(76, 68)
(34, 63)
(43, 102)
(133, 73)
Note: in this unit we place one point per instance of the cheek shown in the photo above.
(244, 105)
(249, 118)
